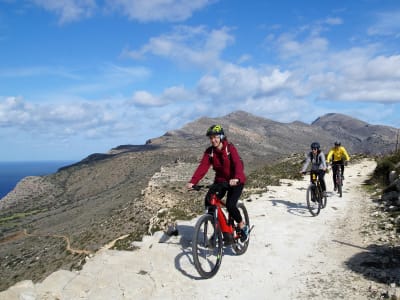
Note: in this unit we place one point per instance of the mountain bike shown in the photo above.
(338, 178)
(316, 200)
(214, 230)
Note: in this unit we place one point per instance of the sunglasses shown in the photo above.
(314, 148)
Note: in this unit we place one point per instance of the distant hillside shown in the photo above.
(261, 140)
(359, 136)
(136, 188)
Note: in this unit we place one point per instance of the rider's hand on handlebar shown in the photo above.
(189, 186)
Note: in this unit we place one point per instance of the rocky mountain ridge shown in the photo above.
(132, 188)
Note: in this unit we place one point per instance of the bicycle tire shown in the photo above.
(238, 247)
(323, 199)
(339, 182)
(207, 246)
(339, 186)
(313, 205)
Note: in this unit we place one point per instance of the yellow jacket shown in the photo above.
(337, 154)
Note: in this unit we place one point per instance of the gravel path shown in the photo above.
(292, 255)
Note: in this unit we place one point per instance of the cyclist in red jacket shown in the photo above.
(228, 167)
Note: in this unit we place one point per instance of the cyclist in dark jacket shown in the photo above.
(228, 167)
(318, 164)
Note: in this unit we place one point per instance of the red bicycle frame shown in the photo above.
(222, 220)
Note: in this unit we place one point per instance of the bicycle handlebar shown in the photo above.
(198, 187)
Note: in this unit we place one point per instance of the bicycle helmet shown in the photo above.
(337, 143)
(315, 145)
(215, 130)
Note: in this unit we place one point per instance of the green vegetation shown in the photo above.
(19, 216)
(386, 220)
(258, 180)
(385, 164)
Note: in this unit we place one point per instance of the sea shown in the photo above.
(12, 172)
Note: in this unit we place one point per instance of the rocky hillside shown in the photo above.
(53, 221)
(359, 136)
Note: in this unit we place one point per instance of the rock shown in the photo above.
(392, 176)
(390, 196)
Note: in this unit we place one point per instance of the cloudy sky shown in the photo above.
(83, 76)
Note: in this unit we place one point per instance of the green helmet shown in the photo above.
(215, 130)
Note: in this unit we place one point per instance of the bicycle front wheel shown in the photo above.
(207, 246)
(339, 186)
(314, 206)
(324, 200)
(238, 247)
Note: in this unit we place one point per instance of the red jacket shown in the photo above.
(226, 166)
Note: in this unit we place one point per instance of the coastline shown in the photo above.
(11, 172)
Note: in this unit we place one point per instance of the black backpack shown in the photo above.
(318, 158)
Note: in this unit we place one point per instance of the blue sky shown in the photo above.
(83, 76)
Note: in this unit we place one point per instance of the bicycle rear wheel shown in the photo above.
(314, 206)
(207, 246)
(238, 247)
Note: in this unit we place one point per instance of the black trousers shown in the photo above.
(335, 166)
(232, 198)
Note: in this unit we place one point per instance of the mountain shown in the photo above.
(359, 136)
(134, 189)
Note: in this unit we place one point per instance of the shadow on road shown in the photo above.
(298, 209)
(186, 233)
(380, 263)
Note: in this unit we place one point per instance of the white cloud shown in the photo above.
(334, 21)
(188, 45)
(359, 74)
(159, 10)
(58, 119)
(275, 81)
(387, 23)
(140, 10)
(68, 10)
(143, 98)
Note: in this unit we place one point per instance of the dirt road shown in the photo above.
(292, 255)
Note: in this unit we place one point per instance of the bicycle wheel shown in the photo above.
(238, 247)
(207, 246)
(314, 206)
(339, 184)
(324, 201)
(324, 198)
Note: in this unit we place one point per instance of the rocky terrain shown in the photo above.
(52, 222)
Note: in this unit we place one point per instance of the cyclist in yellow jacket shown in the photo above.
(339, 157)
